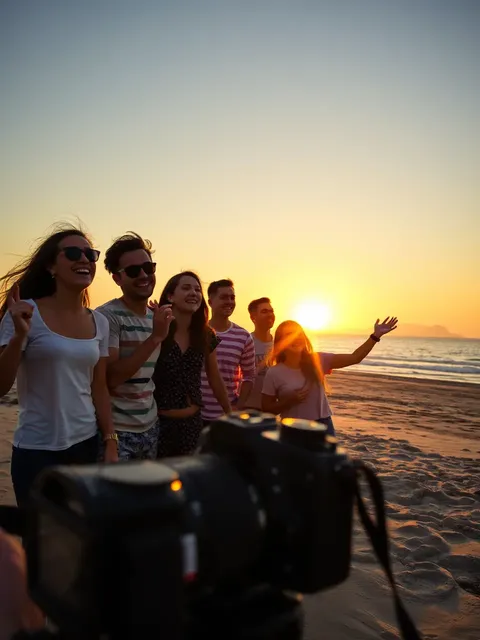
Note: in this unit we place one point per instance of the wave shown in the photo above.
(432, 360)
(415, 366)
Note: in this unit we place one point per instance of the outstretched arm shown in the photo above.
(339, 361)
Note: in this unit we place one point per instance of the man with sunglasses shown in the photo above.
(137, 330)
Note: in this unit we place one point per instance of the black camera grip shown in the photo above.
(13, 520)
(379, 538)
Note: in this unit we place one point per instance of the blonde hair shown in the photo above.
(310, 364)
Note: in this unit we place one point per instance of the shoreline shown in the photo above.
(420, 380)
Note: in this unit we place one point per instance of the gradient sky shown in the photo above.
(309, 150)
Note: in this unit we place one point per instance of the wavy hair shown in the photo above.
(32, 274)
(199, 330)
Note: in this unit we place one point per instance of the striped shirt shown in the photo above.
(236, 362)
(133, 404)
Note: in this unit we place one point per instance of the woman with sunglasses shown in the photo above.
(57, 349)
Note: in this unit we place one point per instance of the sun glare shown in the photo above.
(312, 315)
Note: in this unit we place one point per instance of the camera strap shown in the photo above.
(377, 532)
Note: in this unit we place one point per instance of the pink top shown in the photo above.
(236, 362)
(281, 380)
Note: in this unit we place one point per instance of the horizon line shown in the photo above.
(359, 333)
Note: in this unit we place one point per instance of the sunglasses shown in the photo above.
(75, 253)
(134, 270)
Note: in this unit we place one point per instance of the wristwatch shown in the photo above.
(111, 436)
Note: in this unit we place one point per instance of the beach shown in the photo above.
(422, 438)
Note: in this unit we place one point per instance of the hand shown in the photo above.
(111, 451)
(381, 328)
(162, 319)
(298, 396)
(17, 610)
(20, 311)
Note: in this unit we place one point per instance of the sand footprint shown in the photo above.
(428, 581)
(465, 569)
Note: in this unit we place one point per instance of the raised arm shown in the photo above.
(119, 370)
(13, 333)
(341, 360)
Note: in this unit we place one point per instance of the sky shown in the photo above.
(319, 153)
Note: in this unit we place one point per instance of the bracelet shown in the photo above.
(110, 436)
(374, 338)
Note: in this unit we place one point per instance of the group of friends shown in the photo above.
(138, 378)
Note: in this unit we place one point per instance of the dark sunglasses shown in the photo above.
(134, 270)
(75, 253)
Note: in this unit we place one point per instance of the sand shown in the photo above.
(423, 439)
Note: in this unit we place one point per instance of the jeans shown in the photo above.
(328, 422)
(28, 463)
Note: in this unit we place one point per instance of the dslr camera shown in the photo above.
(220, 544)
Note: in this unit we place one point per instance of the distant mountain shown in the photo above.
(424, 331)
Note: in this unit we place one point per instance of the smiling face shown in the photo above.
(223, 302)
(290, 337)
(263, 317)
(187, 296)
(75, 264)
(136, 275)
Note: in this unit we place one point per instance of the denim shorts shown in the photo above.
(138, 446)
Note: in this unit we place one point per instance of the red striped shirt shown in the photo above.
(236, 363)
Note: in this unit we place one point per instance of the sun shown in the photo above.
(313, 315)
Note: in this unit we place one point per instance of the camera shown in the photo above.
(219, 544)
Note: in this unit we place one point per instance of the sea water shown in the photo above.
(432, 358)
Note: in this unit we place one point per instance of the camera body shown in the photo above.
(138, 546)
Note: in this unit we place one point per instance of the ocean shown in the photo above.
(432, 358)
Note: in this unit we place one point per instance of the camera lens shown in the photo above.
(306, 434)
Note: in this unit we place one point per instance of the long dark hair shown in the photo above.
(32, 274)
(198, 330)
(310, 364)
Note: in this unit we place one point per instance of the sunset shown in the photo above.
(313, 315)
(353, 181)
(308, 161)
